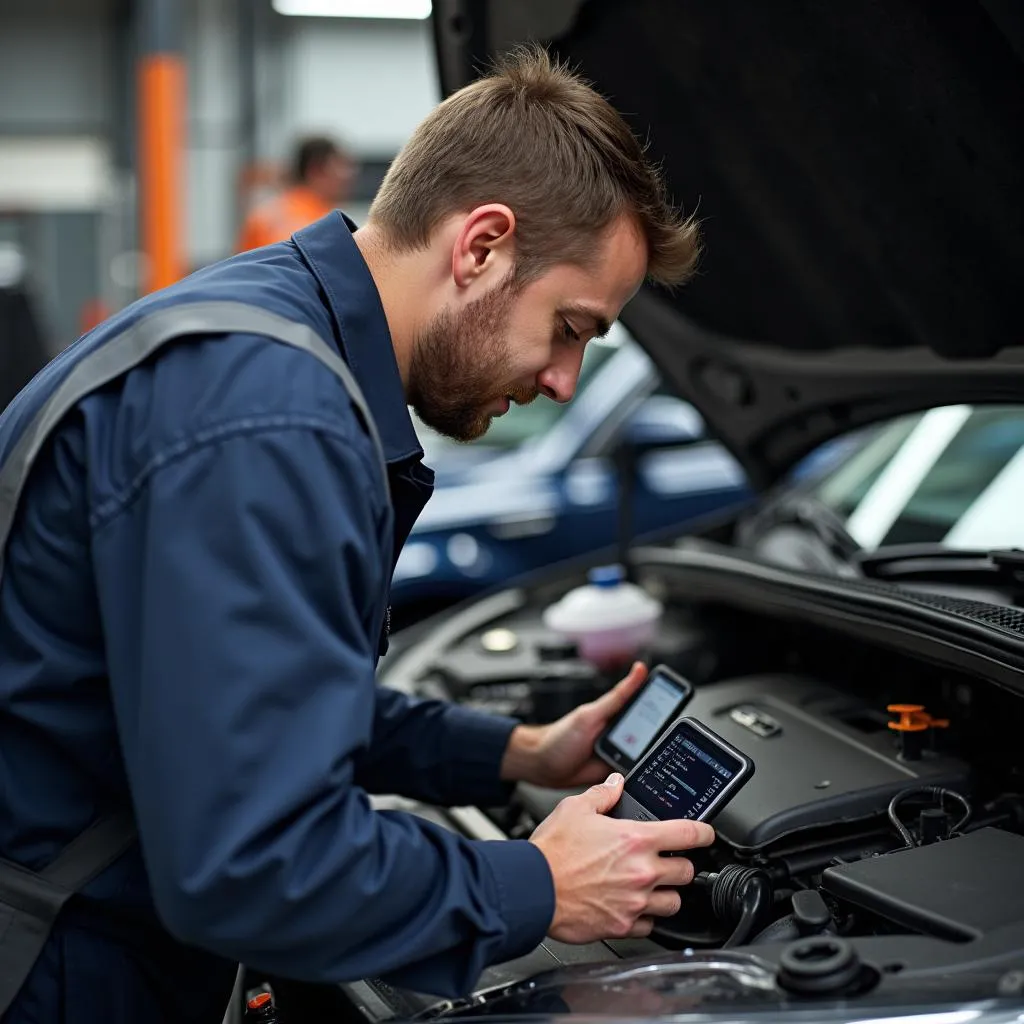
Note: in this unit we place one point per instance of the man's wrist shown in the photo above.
(520, 761)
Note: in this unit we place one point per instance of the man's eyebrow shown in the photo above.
(602, 326)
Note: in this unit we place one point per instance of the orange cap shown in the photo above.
(261, 1000)
(914, 718)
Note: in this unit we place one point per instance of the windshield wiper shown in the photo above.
(932, 562)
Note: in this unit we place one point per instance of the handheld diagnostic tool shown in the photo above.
(654, 707)
(689, 773)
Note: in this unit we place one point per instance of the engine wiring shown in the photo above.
(740, 896)
(938, 792)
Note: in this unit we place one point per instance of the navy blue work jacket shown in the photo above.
(190, 618)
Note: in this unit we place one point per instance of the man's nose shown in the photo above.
(558, 379)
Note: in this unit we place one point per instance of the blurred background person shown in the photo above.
(322, 175)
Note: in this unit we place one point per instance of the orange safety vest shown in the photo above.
(279, 218)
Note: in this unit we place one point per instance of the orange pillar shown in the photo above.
(161, 89)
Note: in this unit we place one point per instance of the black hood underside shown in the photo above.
(857, 169)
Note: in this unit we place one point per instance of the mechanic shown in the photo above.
(201, 503)
(322, 174)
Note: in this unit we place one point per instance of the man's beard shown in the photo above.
(461, 364)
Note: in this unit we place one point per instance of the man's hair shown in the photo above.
(535, 136)
(311, 153)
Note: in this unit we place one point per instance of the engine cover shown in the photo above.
(959, 890)
(822, 758)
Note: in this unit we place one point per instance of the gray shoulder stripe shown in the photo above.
(132, 347)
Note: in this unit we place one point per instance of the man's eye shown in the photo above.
(569, 332)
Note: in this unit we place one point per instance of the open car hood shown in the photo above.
(859, 173)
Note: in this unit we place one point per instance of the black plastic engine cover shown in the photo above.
(960, 889)
(814, 768)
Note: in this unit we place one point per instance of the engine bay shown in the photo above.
(881, 835)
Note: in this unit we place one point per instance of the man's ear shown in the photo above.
(485, 245)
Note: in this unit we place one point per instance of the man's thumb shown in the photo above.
(605, 796)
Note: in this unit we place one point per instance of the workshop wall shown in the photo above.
(256, 80)
(56, 114)
(367, 82)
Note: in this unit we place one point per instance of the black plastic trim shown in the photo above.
(874, 611)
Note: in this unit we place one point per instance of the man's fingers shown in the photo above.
(641, 928)
(664, 903)
(616, 698)
(604, 796)
(675, 871)
(672, 836)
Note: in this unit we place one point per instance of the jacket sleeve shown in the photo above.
(434, 751)
(237, 587)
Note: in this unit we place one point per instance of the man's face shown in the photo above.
(513, 343)
(333, 178)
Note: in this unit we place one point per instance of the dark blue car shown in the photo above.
(543, 485)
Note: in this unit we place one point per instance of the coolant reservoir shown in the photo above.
(609, 618)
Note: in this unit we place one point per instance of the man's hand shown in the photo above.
(610, 880)
(561, 755)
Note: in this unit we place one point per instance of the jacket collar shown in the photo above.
(365, 341)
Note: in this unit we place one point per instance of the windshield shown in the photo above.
(523, 422)
(952, 476)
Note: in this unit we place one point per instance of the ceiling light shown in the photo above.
(406, 10)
